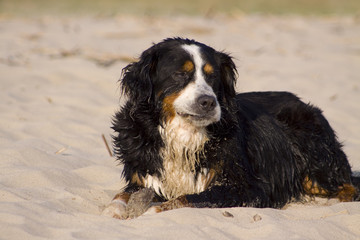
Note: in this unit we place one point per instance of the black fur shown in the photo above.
(262, 149)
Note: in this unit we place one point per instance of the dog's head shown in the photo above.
(184, 78)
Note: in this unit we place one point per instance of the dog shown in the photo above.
(186, 134)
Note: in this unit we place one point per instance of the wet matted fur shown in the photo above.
(185, 133)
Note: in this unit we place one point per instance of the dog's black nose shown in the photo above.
(206, 103)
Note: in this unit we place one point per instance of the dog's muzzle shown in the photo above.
(204, 111)
(205, 104)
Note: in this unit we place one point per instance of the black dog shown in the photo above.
(186, 134)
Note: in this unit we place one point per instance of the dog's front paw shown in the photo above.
(116, 209)
(139, 202)
(128, 206)
(179, 202)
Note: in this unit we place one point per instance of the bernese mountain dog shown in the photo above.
(185, 133)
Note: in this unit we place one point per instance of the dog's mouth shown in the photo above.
(198, 119)
(192, 116)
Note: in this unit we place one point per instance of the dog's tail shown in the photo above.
(355, 179)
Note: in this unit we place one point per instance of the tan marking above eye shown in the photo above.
(188, 66)
(208, 69)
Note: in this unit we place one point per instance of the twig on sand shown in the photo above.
(106, 145)
(63, 149)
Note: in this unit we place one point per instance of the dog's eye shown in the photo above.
(211, 76)
(181, 75)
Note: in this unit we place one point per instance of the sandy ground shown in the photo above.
(58, 81)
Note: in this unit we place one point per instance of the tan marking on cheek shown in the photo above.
(208, 69)
(168, 107)
(188, 66)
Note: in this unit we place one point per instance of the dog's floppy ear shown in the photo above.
(136, 78)
(228, 75)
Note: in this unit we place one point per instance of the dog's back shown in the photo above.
(318, 154)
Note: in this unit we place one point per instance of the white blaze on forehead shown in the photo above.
(194, 51)
(199, 86)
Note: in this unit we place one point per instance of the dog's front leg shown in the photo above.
(130, 205)
(117, 207)
(176, 203)
(216, 197)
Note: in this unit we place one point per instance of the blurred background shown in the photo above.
(188, 7)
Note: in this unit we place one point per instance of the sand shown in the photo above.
(59, 90)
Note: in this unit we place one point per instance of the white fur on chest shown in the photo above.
(184, 145)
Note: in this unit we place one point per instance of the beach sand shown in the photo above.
(59, 90)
